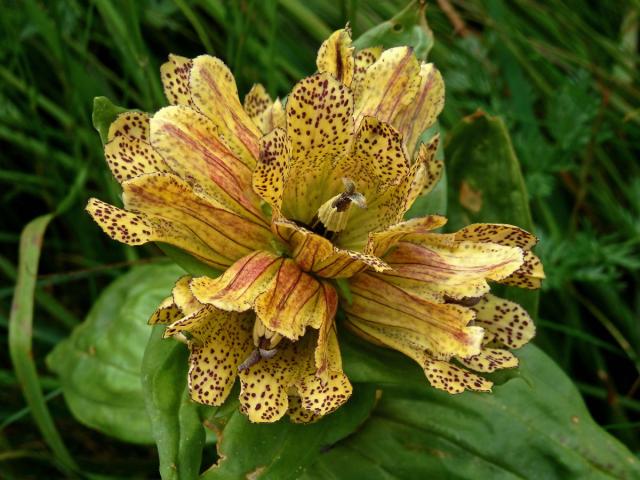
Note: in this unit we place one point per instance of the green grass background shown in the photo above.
(561, 73)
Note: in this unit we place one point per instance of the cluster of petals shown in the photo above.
(286, 199)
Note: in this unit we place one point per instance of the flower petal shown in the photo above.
(266, 386)
(239, 286)
(213, 363)
(256, 102)
(508, 321)
(271, 171)
(389, 207)
(295, 301)
(410, 322)
(389, 85)
(166, 313)
(131, 124)
(530, 275)
(336, 56)
(137, 229)
(421, 113)
(317, 254)
(191, 145)
(297, 414)
(319, 126)
(129, 157)
(498, 233)
(363, 59)
(490, 359)
(175, 80)
(167, 196)
(183, 298)
(215, 94)
(382, 241)
(440, 272)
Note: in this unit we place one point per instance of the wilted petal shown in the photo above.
(190, 143)
(421, 113)
(507, 321)
(271, 171)
(439, 272)
(410, 322)
(175, 80)
(336, 56)
(215, 94)
(139, 228)
(388, 85)
(490, 359)
(319, 126)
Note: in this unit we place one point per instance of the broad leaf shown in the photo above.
(533, 426)
(175, 419)
(99, 364)
(486, 184)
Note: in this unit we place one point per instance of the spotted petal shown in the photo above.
(175, 80)
(319, 126)
(271, 171)
(336, 56)
(510, 324)
(412, 322)
(191, 145)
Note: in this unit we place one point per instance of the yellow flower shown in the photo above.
(284, 201)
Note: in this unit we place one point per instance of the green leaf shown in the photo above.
(99, 364)
(104, 113)
(20, 337)
(409, 27)
(486, 184)
(283, 450)
(175, 419)
(534, 426)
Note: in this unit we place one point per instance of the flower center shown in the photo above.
(333, 215)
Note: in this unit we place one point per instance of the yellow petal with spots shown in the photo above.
(256, 102)
(297, 414)
(336, 56)
(267, 386)
(440, 373)
(508, 321)
(271, 171)
(215, 94)
(294, 301)
(490, 359)
(498, 233)
(129, 157)
(131, 124)
(213, 363)
(196, 324)
(319, 126)
(389, 207)
(239, 286)
(175, 80)
(441, 273)
(363, 59)
(530, 275)
(440, 329)
(273, 117)
(139, 228)
(183, 298)
(170, 198)
(421, 113)
(381, 242)
(166, 313)
(317, 254)
(191, 145)
(389, 85)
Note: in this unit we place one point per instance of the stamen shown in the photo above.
(333, 215)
